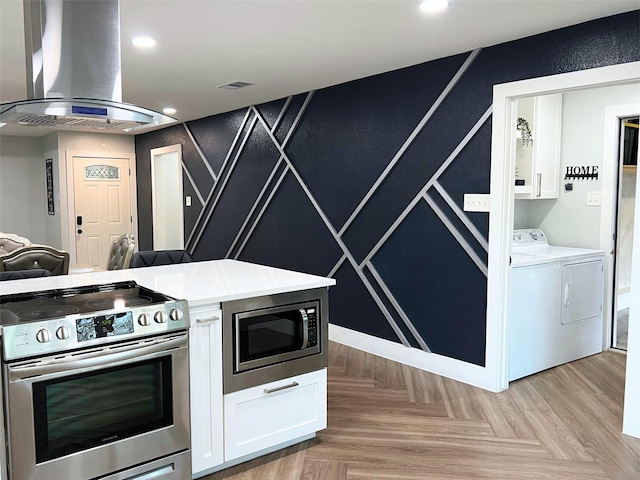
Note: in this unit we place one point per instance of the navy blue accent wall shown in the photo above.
(289, 179)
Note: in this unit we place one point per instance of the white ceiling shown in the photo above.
(288, 47)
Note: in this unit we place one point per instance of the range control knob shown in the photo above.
(175, 314)
(160, 317)
(144, 320)
(63, 332)
(43, 335)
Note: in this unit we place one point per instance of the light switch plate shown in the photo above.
(476, 202)
(594, 199)
(187, 201)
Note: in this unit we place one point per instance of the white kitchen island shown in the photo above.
(225, 429)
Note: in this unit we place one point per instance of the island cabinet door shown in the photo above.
(262, 417)
(205, 368)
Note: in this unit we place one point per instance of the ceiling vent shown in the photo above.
(73, 69)
(235, 85)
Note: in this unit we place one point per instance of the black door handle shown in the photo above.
(79, 220)
(79, 230)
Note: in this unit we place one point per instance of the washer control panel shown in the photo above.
(529, 237)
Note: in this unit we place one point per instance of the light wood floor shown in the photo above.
(390, 421)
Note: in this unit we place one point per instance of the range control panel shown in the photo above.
(24, 340)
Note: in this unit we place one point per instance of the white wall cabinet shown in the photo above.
(539, 164)
(260, 417)
(205, 368)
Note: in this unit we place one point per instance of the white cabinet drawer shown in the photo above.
(264, 416)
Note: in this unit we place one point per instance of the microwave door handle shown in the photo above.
(305, 328)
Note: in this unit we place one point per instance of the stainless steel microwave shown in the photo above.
(273, 337)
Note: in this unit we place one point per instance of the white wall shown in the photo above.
(77, 142)
(568, 220)
(23, 200)
(23, 204)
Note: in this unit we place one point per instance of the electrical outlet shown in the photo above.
(476, 202)
(594, 199)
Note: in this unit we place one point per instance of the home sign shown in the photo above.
(582, 172)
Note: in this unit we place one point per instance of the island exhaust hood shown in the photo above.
(73, 70)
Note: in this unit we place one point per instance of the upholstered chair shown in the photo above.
(10, 242)
(22, 274)
(120, 252)
(150, 258)
(36, 256)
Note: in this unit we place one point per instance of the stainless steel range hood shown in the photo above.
(73, 70)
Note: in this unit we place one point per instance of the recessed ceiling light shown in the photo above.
(434, 6)
(143, 42)
(169, 111)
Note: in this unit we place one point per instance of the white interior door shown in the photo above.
(166, 194)
(102, 206)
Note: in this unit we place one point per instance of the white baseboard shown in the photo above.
(430, 362)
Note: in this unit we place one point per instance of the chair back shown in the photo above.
(22, 274)
(10, 242)
(36, 256)
(150, 258)
(120, 252)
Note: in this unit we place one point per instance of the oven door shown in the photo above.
(85, 415)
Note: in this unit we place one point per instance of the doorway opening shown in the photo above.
(166, 198)
(501, 217)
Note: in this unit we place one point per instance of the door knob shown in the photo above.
(79, 230)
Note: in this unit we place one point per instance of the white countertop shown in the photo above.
(200, 283)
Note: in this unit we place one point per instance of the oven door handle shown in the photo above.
(107, 357)
(305, 328)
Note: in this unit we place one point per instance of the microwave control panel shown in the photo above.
(313, 327)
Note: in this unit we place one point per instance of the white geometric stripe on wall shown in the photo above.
(268, 191)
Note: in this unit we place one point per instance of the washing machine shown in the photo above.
(557, 296)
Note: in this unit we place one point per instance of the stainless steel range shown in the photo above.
(95, 384)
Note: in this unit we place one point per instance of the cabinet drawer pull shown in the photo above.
(277, 389)
(203, 321)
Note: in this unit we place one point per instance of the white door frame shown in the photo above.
(608, 219)
(502, 194)
(71, 224)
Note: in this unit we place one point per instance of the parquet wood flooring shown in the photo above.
(390, 421)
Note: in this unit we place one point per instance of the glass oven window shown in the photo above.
(82, 411)
(269, 335)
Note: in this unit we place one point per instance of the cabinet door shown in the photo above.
(205, 369)
(546, 145)
(261, 417)
(538, 165)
